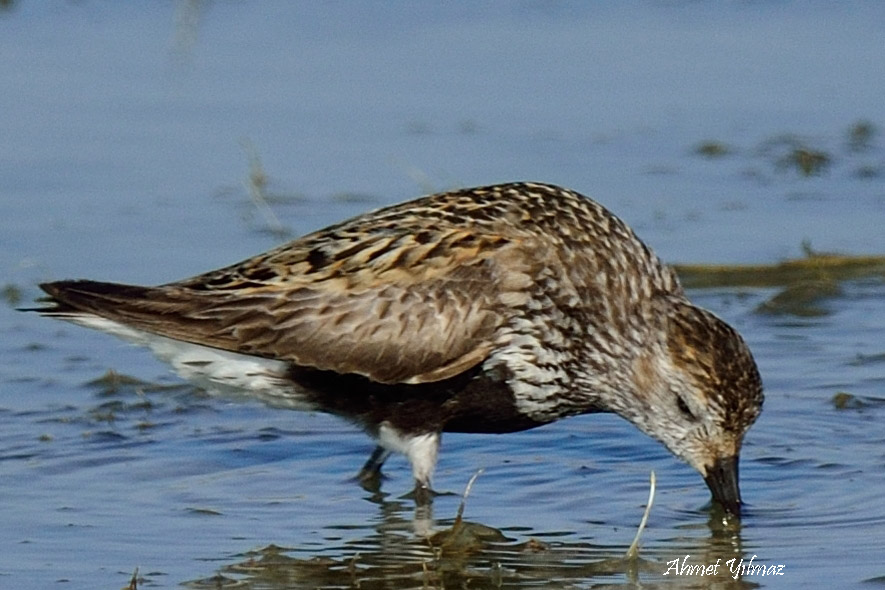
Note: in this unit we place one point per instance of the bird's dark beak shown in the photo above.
(722, 479)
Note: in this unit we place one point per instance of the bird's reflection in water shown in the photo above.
(406, 548)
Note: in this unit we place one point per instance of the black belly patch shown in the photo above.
(471, 402)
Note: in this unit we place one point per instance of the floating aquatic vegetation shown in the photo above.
(462, 536)
(807, 161)
(12, 294)
(802, 299)
(842, 400)
(713, 149)
(861, 136)
(808, 156)
(814, 266)
(805, 283)
(869, 171)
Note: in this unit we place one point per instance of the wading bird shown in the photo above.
(486, 310)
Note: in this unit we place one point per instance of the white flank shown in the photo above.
(217, 371)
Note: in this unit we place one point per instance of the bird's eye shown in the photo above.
(683, 407)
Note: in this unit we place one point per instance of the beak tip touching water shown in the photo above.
(722, 479)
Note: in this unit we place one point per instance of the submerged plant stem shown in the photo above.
(467, 489)
(633, 551)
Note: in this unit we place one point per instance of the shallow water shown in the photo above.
(126, 133)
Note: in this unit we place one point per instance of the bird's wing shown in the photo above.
(393, 305)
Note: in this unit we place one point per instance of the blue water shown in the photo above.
(126, 131)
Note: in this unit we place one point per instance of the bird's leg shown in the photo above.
(421, 449)
(422, 452)
(370, 474)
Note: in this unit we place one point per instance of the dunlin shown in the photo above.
(486, 310)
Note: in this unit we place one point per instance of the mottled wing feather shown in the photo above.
(394, 306)
(389, 334)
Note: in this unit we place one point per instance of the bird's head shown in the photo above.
(699, 391)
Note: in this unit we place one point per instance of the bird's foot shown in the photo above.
(423, 494)
(370, 476)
